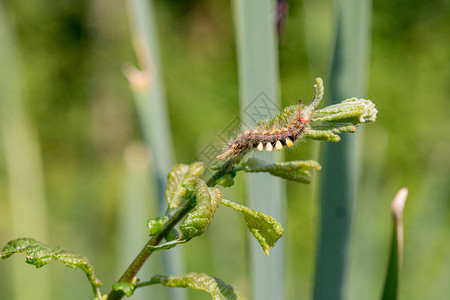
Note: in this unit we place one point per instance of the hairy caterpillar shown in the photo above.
(281, 131)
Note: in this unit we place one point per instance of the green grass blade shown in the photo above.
(152, 109)
(150, 98)
(131, 232)
(338, 191)
(258, 78)
(390, 290)
(391, 281)
(28, 208)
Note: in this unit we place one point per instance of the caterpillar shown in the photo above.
(281, 131)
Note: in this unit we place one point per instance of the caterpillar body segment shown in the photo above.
(283, 130)
(267, 138)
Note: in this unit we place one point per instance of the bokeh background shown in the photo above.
(68, 115)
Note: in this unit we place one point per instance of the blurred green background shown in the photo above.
(69, 57)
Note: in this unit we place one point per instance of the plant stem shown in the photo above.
(146, 283)
(180, 213)
(97, 293)
(224, 169)
(139, 261)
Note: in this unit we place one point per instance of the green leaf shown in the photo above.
(218, 289)
(263, 227)
(172, 235)
(299, 171)
(328, 132)
(179, 176)
(226, 180)
(332, 120)
(390, 290)
(154, 225)
(126, 287)
(353, 111)
(207, 201)
(39, 255)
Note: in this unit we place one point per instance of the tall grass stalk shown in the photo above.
(152, 109)
(371, 219)
(340, 178)
(28, 207)
(259, 92)
(390, 290)
(131, 233)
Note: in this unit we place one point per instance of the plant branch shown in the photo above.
(178, 215)
(227, 167)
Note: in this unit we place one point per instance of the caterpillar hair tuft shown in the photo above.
(283, 130)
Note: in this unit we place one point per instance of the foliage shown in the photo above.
(207, 201)
(200, 281)
(125, 287)
(180, 176)
(39, 254)
(299, 171)
(86, 93)
(193, 202)
(263, 227)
